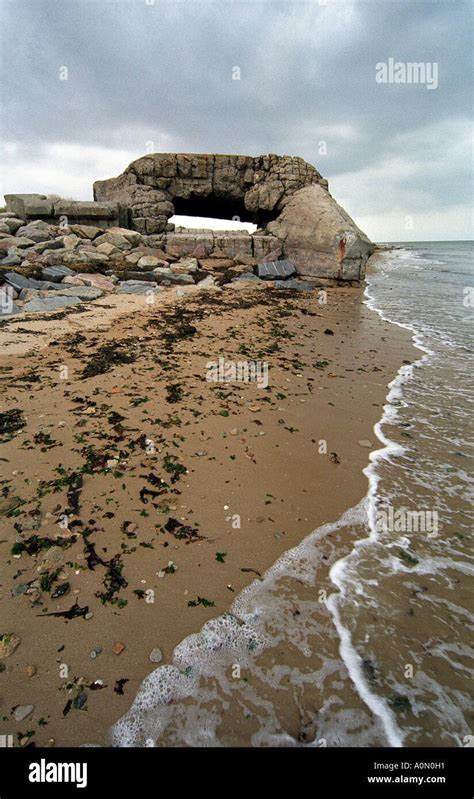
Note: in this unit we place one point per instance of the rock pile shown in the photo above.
(46, 267)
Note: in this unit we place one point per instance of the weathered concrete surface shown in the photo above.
(286, 197)
(66, 212)
(159, 185)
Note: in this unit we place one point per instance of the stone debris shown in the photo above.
(41, 304)
(276, 270)
(45, 266)
(8, 643)
(56, 273)
(22, 712)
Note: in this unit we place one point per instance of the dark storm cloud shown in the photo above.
(141, 71)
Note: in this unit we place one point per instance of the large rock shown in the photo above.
(95, 280)
(246, 260)
(52, 244)
(19, 282)
(320, 237)
(42, 304)
(82, 292)
(35, 234)
(79, 258)
(56, 273)
(71, 241)
(107, 249)
(13, 224)
(137, 287)
(77, 209)
(20, 242)
(216, 264)
(276, 270)
(132, 236)
(209, 282)
(28, 205)
(149, 262)
(11, 260)
(86, 231)
(116, 239)
(181, 269)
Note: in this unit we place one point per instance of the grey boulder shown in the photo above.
(34, 233)
(21, 242)
(56, 273)
(11, 260)
(137, 287)
(49, 303)
(20, 282)
(82, 292)
(276, 270)
(12, 223)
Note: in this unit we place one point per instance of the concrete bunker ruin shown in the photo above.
(285, 196)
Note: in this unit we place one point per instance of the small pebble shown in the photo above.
(118, 648)
(22, 712)
(156, 655)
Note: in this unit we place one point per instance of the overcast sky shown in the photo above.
(157, 75)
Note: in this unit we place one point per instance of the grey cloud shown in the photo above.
(138, 71)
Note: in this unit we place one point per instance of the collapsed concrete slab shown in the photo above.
(66, 212)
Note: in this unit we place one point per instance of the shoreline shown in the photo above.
(361, 358)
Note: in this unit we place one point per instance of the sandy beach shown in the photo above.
(141, 498)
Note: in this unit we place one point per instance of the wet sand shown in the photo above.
(243, 470)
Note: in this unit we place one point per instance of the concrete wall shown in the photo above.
(72, 212)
